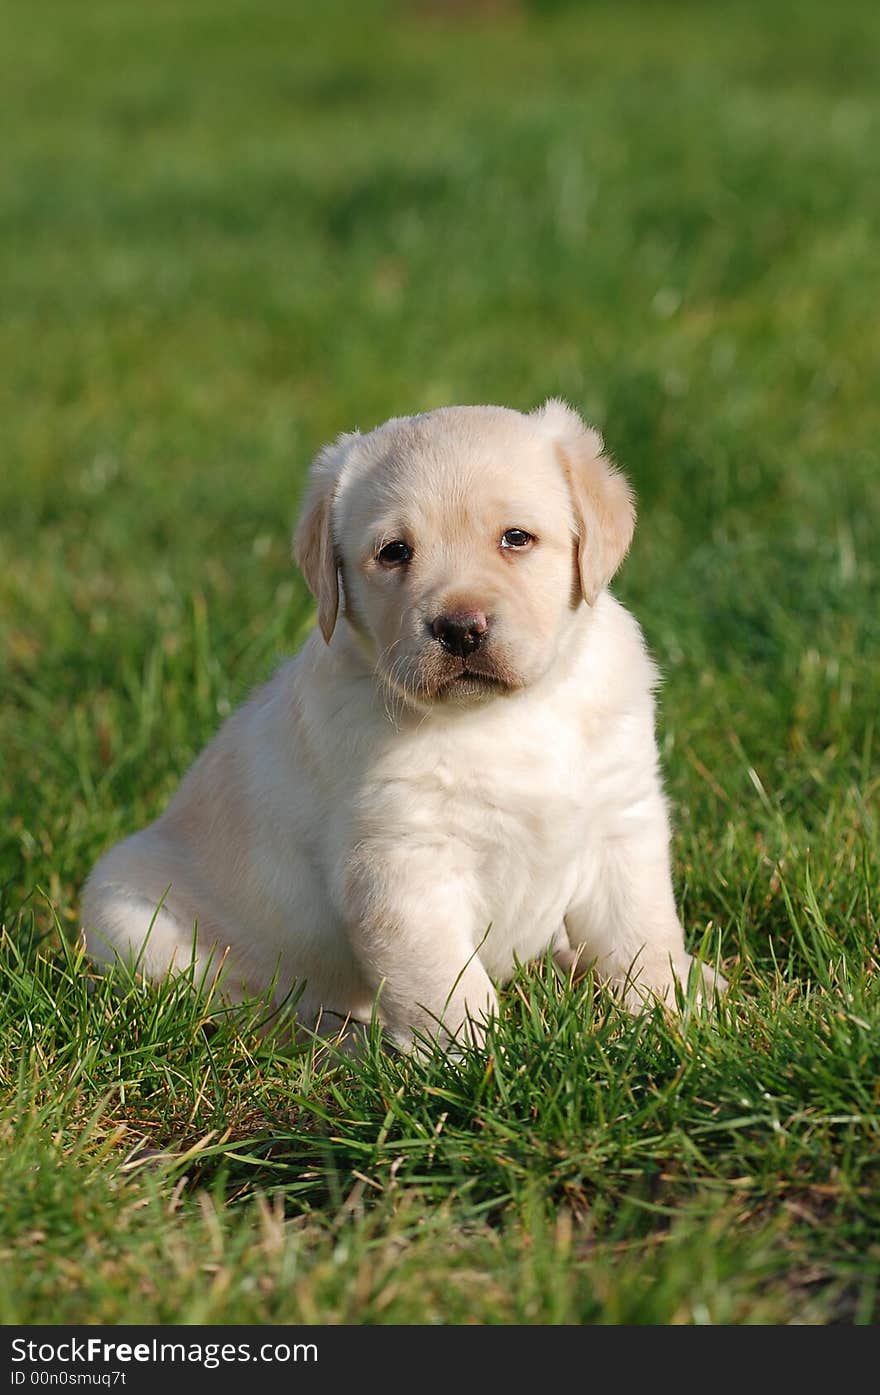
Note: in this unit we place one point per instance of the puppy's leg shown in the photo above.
(123, 927)
(135, 912)
(565, 958)
(414, 939)
(624, 924)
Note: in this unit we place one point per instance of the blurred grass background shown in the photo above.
(231, 231)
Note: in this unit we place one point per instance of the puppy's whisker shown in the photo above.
(385, 654)
(381, 666)
(382, 672)
(403, 679)
(393, 687)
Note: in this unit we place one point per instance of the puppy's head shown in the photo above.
(463, 539)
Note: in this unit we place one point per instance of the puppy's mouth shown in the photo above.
(438, 678)
(471, 682)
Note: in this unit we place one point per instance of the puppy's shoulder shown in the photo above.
(616, 670)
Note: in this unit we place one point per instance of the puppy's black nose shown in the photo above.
(462, 632)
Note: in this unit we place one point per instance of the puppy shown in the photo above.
(458, 771)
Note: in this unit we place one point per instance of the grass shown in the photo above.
(229, 237)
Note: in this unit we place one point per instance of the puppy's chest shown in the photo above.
(523, 810)
(511, 823)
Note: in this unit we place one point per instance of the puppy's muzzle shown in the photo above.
(460, 633)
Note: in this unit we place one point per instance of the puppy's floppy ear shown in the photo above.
(604, 504)
(314, 546)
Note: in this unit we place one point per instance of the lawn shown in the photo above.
(230, 232)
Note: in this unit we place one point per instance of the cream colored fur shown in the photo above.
(394, 824)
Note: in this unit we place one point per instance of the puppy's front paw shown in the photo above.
(427, 1037)
(683, 977)
(710, 983)
(573, 962)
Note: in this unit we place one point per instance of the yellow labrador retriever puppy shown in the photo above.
(457, 771)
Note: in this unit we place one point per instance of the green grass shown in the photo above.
(230, 233)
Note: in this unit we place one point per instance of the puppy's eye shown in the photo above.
(394, 554)
(516, 537)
